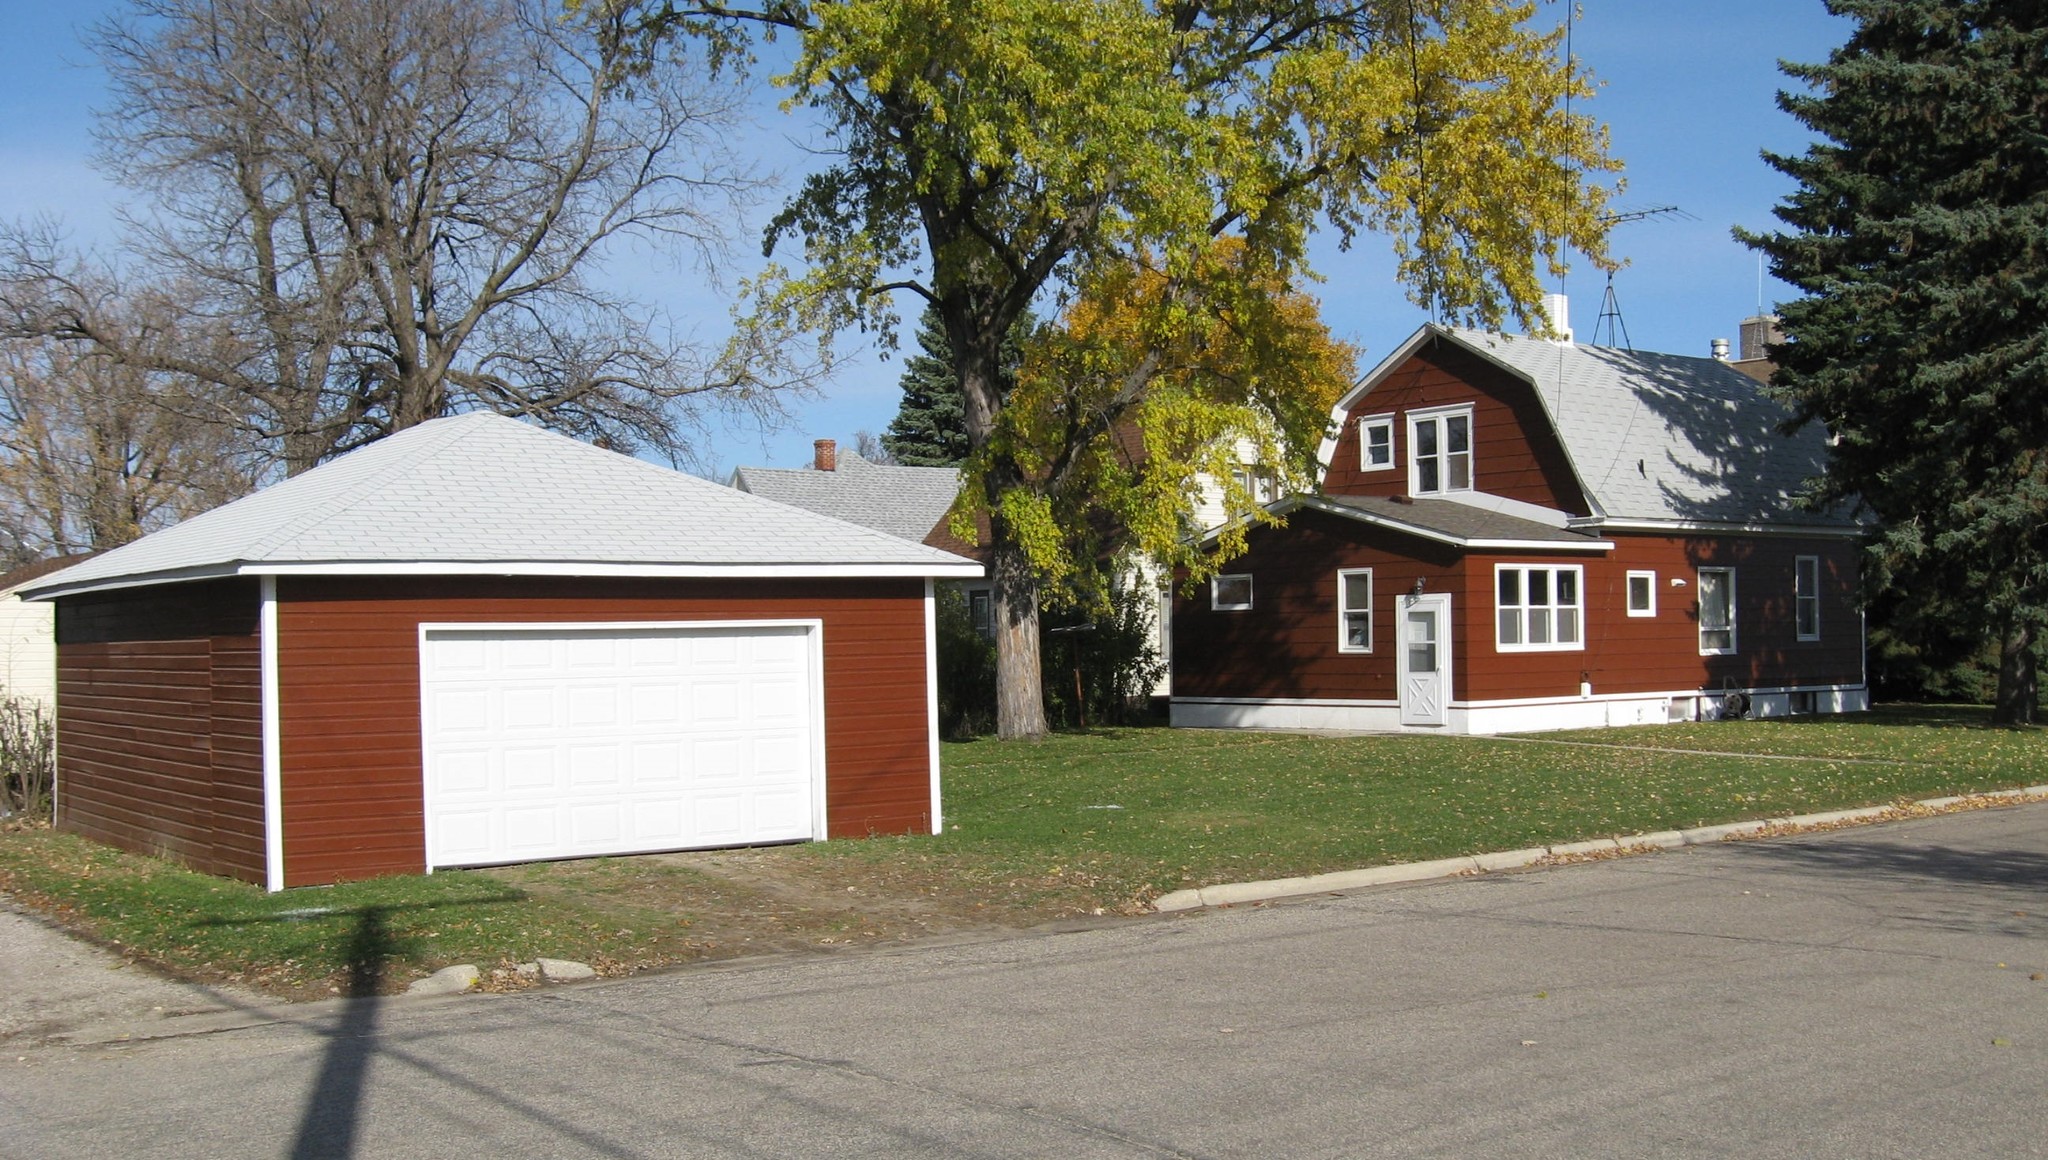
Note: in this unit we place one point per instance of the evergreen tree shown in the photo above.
(1919, 232)
(930, 428)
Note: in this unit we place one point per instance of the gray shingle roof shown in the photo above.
(1453, 521)
(1666, 437)
(906, 502)
(483, 490)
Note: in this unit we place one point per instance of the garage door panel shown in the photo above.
(561, 742)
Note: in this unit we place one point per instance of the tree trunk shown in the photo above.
(1020, 691)
(2018, 691)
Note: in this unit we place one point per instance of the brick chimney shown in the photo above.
(825, 455)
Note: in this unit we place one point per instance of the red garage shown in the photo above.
(477, 642)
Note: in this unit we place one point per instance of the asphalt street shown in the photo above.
(1871, 992)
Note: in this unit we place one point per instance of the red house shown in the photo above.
(1519, 534)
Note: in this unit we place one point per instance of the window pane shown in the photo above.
(1539, 625)
(1510, 587)
(1639, 594)
(1379, 444)
(1510, 626)
(1427, 476)
(1425, 439)
(1717, 638)
(1567, 626)
(1461, 472)
(1357, 591)
(1713, 600)
(1357, 630)
(1567, 586)
(1539, 586)
(1458, 433)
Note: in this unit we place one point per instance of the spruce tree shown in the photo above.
(930, 427)
(1919, 233)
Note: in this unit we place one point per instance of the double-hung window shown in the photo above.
(1439, 451)
(1538, 607)
(1376, 443)
(1806, 597)
(1717, 611)
(1354, 610)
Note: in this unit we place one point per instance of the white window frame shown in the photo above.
(983, 618)
(1216, 601)
(1261, 483)
(1365, 428)
(1700, 580)
(1345, 611)
(1628, 594)
(1806, 595)
(1440, 417)
(1523, 609)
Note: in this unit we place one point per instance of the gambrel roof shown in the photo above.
(1658, 438)
(480, 494)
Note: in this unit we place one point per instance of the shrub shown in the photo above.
(28, 758)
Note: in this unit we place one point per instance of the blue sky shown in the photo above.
(1687, 89)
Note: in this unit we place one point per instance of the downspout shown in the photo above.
(273, 750)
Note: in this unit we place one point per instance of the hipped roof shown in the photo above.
(481, 494)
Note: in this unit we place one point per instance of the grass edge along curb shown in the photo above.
(1230, 893)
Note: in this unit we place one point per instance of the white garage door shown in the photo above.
(558, 741)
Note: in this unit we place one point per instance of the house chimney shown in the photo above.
(1721, 350)
(1756, 331)
(825, 455)
(1558, 307)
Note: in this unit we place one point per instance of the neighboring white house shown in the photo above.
(28, 636)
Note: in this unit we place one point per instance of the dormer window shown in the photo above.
(1440, 450)
(1376, 443)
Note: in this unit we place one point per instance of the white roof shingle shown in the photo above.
(907, 502)
(487, 494)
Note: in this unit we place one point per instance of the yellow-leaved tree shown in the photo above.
(994, 152)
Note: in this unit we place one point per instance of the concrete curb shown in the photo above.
(1229, 893)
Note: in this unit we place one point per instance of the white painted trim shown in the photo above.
(1550, 646)
(1481, 718)
(813, 630)
(1344, 644)
(1391, 422)
(1216, 605)
(273, 739)
(931, 695)
(1628, 595)
(1734, 611)
(963, 570)
(1797, 563)
(1442, 416)
(1819, 531)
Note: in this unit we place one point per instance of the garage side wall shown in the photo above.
(159, 723)
(349, 696)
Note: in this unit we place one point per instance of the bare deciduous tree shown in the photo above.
(382, 211)
(95, 452)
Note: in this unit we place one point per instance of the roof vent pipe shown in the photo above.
(1721, 349)
(825, 454)
(1558, 308)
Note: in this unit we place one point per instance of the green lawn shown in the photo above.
(1081, 823)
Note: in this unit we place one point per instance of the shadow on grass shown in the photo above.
(332, 1115)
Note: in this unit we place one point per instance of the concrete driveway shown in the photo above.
(1865, 993)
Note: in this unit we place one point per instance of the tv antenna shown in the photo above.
(1610, 307)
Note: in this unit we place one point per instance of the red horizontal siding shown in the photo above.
(1514, 451)
(159, 723)
(349, 673)
(1661, 653)
(1285, 645)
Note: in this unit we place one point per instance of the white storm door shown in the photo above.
(560, 741)
(1423, 660)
